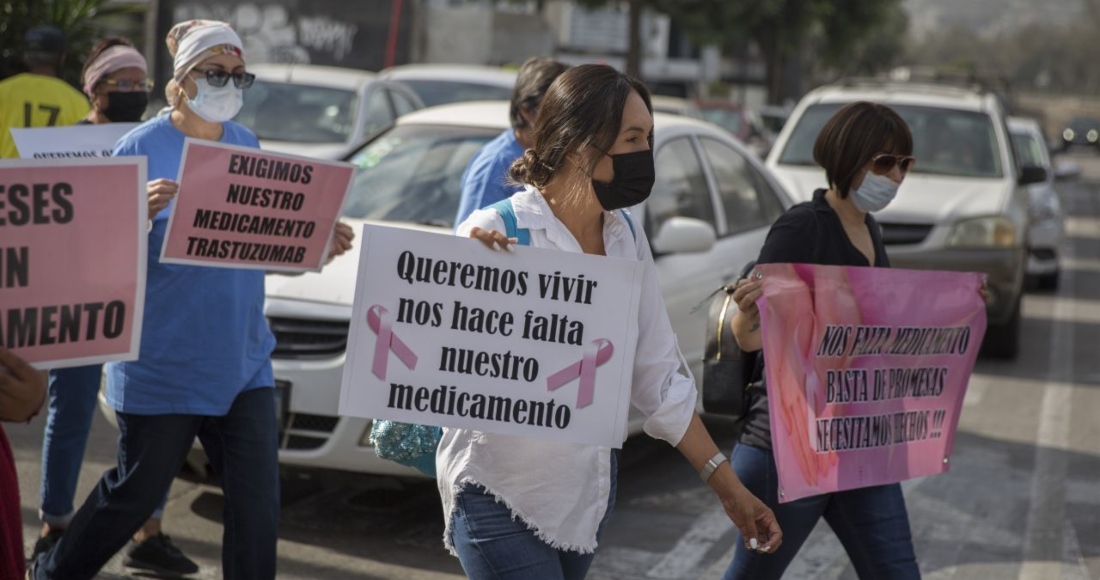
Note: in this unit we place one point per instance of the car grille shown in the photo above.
(299, 339)
(902, 234)
(307, 432)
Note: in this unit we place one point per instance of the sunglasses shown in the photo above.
(219, 78)
(884, 163)
(143, 86)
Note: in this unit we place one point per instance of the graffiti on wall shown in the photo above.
(272, 34)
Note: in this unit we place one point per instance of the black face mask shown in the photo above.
(126, 107)
(634, 177)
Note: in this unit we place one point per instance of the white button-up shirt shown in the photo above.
(560, 490)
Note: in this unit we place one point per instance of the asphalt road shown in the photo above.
(1021, 502)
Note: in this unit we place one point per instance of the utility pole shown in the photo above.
(634, 42)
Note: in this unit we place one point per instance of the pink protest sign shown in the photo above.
(866, 371)
(72, 259)
(239, 207)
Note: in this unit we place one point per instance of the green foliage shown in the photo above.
(80, 20)
(846, 35)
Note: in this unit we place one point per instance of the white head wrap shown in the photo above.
(203, 41)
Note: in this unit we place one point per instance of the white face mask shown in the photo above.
(216, 104)
(875, 193)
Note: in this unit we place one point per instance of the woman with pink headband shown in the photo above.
(115, 78)
(116, 82)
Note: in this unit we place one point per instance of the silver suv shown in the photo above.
(964, 206)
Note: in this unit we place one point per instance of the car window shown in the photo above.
(413, 173)
(440, 92)
(728, 119)
(681, 186)
(945, 141)
(298, 113)
(379, 115)
(799, 149)
(746, 197)
(1029, 150)
(402, 104)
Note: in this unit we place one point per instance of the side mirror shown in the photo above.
(1066, 170)
(683, 235)
(1031, 174)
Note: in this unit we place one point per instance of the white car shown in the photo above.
(441, 84)
(320, 111)
(708, 215)
(1048, 227)
(964, 205)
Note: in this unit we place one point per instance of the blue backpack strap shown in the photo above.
(508, 214)
(629, 223)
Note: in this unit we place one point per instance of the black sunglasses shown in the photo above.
(883, 163)
(219, 78)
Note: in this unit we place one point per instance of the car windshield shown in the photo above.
(299, 113)
(728, 119)
(945, 141)
(441, 92)
(413, 173)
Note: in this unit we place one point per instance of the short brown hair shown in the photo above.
(853, 136)
(583, 109)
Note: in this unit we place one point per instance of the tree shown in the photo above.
(782, 29)
(78, 19)
(865, 50)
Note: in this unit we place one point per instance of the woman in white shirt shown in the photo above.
(519, 508)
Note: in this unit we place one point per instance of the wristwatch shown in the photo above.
(711, 465)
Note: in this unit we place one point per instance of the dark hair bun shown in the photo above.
(529, 169)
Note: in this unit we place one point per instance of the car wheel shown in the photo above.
(1003, 341)
(1048, 281)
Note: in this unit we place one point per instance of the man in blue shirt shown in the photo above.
(485, 181)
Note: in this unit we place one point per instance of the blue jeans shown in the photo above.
(492, 545)
(243, 448)
(70, 409)
(871, 523)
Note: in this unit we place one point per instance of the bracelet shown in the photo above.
(711, 465)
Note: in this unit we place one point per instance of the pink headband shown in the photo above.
(113, 59)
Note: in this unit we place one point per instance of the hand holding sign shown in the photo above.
(493, 239)
(22, 388)
(342, 235)
(161, 191)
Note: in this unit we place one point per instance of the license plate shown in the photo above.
(282, 403)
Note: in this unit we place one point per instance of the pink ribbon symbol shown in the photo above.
(595, 354)
(382, 324)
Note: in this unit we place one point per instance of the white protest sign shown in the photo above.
(76, 141)
(538, 343)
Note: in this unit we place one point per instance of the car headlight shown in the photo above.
(1093, 135)
(1068, 134)
(987, 232)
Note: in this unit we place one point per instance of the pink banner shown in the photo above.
(239, 207)
(72, 259)
(866, 371)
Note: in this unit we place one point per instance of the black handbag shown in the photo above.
(727, 371)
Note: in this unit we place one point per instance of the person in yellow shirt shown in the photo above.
(38, 98)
